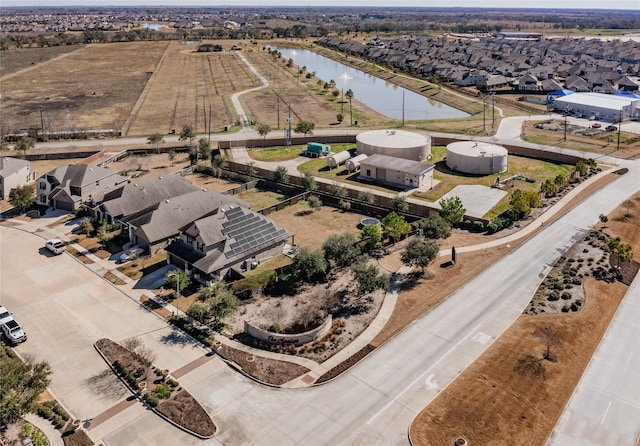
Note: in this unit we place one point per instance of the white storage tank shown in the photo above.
(477, 158)
(338, 159)
(353, 164)
(397, 143)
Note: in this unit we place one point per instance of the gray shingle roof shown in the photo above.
(9, 166)
(390, 162)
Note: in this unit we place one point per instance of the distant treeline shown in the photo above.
(314, 24)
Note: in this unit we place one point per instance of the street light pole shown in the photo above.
(619, 129)
(566, 113)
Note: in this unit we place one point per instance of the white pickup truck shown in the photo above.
(55, 246)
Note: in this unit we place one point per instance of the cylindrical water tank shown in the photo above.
(478, 158)
(339, 158)
(397, 143)
(353, 164)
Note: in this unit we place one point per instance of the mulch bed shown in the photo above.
(180, 407)
(266, 370)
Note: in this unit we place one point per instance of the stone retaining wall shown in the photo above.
(296, 339)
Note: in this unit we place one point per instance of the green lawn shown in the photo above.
(536, 169)
(260, 199)
(274, 154)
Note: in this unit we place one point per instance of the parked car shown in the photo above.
(130, 254)
(55, 246)
(593, 118)
(5, 316)
(611, 128)
(597, 125)
(13, 333)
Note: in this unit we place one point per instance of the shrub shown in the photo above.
(172, 383)
(162, 391)
(576, 281)
(553, 296)
(478, 225)
(565, 295)
(150, 399)
(565, 309)
(574, 307)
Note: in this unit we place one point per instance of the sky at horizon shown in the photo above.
(540, 4)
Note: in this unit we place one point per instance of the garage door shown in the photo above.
(381, 174)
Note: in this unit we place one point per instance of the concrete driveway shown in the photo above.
(64, 308)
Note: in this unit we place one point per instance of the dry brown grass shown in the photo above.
(93, 87)
(313, 227)
(490, 403)
(184, 85)
(13, 61)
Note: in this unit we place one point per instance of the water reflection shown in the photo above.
(384, 97)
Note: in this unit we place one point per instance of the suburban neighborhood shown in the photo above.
(247, 234)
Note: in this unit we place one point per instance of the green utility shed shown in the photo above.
(316, 149)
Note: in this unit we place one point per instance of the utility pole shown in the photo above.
(342, 102)
(278, 109)
(566, 114)
(288, 130)
(493, 110)
(619, 129)
(210, 123)
(42, 120)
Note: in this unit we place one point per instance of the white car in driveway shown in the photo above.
(55, 246)
(133, 252)
(10, 329)
(5, 316)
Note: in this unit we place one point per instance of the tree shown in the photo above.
(22, 197)
(582, 168)
(339, 190)
(549, 188)
(250, 169)
(561, 180)
(339, 117)
(308, 181)
(305, 127)
(107, 232)
(219, 163)
(349, 95)
(519, 202)
(172, 155)
(395, 226)
(366, 197)
(369, 278)
(452, 210)
(309, 266)
(205, 149)
(4, 145)
(156, 139)
(20, 386)
(400, 204)
(281, 175)
(171, 278)
(314, 202)
(188, 133)
(371, 235)
(199, 311)
(420, 253)
(603, 219)
(622, 251)
(86, 226)
(435, 227)
(223, 304)
(263, 130)
(342, 249)
(25, 143)
(551, 339)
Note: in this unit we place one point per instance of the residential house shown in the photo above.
(528, 83)
(157, 226)
(14, 172)
(234, 237)
(70, 186)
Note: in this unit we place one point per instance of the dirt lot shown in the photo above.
(493, 403)
(600, 142)
(90, 88)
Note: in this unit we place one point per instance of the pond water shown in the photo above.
(382, 96)
(153, 26)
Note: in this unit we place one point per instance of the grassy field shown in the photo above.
(274, 154)
(94, 87)
(187, 85)
(532, 168)
(26, 58)
(603, 143)
(260, 199)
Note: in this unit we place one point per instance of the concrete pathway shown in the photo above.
(53, 435)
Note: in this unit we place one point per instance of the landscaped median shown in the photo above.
(156, 388)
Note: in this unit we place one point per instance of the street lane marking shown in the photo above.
(430, 383)
(606, 412)
(481, 338)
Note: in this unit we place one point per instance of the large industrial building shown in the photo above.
(606, 107)
(477, 158)
(397, 143)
